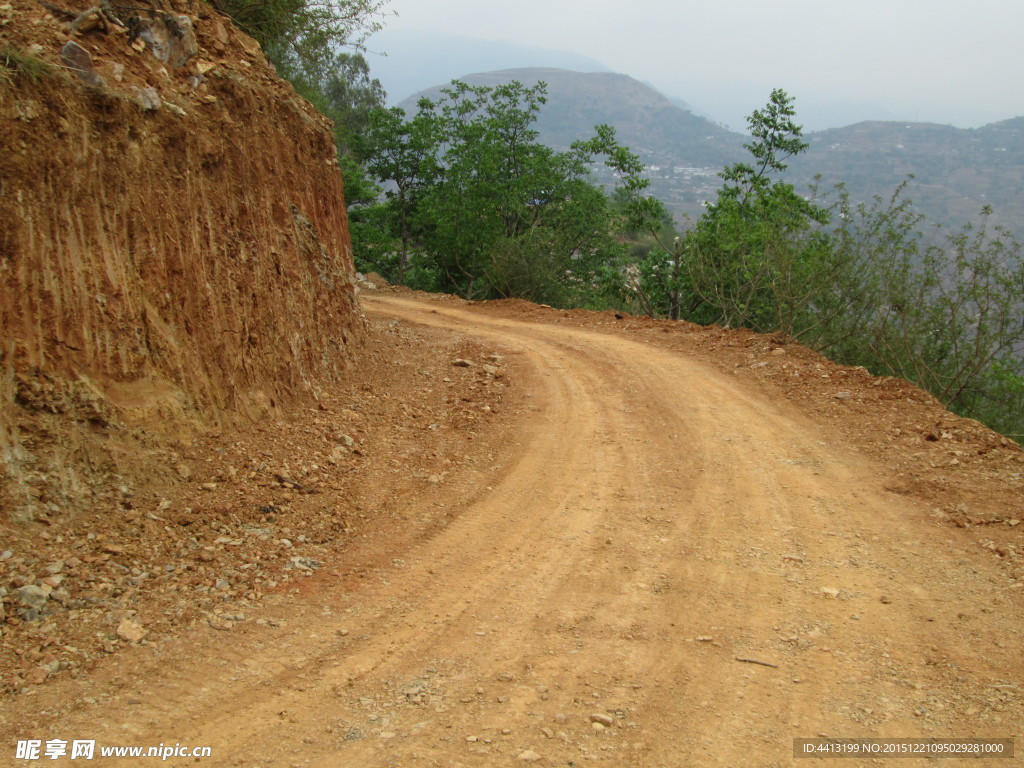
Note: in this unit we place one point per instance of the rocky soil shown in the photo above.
(239, 514)
(174, 251)
(518, 534)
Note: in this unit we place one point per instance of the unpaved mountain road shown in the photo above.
(658, 526)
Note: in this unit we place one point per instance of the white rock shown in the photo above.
(131, 631)
(32, 596)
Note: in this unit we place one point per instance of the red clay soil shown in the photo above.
(523, 534)
(174, 250)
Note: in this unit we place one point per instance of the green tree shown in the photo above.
(341, 87)
(491, 181)
(758, 256)
(947, 315)
(648, 272)
(403, 155)
(496, 212)
(305, 33)
(859, 281)
(304, 40)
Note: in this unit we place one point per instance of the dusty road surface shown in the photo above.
(667, 569)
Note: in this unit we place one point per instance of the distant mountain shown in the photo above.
(417, 59)
(823, 115)
(957, 171)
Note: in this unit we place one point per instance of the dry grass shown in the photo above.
(15, 62)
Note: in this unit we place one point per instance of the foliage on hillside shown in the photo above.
(956, 170)
(305, 40)
(859, 282)
(470, 201)
(476, 205)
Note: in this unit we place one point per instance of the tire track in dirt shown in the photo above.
(660, 522)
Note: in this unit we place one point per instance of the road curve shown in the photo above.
(674, 571)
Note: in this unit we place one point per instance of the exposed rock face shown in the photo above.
(77, 59)
(171, 39)
(172, 261)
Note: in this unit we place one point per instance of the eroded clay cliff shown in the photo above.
(174, 252)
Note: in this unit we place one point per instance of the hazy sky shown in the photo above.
(931, 60)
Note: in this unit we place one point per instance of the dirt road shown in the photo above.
(668, 569)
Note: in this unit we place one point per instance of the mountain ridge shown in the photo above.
(956, 171)
(427, 59)
(646, 120)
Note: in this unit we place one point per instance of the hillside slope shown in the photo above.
(645, 120)
(956, 171)
(418, 59)
(174, 251)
